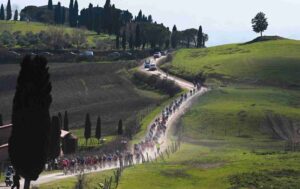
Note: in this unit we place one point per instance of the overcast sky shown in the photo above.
(225, 21)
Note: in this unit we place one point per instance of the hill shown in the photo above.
(102, 89)
(273, 63)
(36, 27)
(243, 133)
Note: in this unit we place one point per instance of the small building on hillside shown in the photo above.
(69, 142)
(5, 131)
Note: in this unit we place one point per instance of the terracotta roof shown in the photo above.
(5, 126)
(4, 146)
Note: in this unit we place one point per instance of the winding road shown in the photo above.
(46, 178)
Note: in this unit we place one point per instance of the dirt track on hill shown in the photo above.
(164, 140)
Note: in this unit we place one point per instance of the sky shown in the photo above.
(225, 21)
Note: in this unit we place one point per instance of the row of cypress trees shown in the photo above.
(175, 38)
(8, 15)
(98, 130)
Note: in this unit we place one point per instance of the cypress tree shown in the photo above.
(54, 143)
(131, 45)
(140, 16)
(124, 40)
(66, 121)
(120, 127)
(138, 36)
(90, 24)
(29, 140)
(118, 41)
(8, 11)
(150, 20)
(2, 14)
(63, 15)
(50, 5)
(75, 14)
(98, 129)
(16, 15)
(60, 120)
(107, 17)
(71, 18)
(97, 19)
(87, 128)
(200, 38)
(1, 120)
(174, 39)
(58, 14)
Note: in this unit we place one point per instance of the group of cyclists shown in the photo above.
(140, 153)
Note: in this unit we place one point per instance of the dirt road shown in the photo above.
(164, 140)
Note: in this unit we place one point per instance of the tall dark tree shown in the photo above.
(87, 128)
(8, 11)
(200, 38)
(118, 41)
(16, 15)
(138, 40)
(1, 120)
(58, 13)
(107, 17)
(131, 42)
(71, 11)
(29, 140)
(90, 21)
(174, 37)
(150, 20)
(2, 13)
(120, 127)
(124, 40)
(66, 121)
(98, 129)
(260, 23)
(75, 14)
(97, 24)
(140, 16)
(60, 120)
(54, 143)
(50, 5)
(63, 15)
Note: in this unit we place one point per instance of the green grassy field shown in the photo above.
(91, 181)
(272, 63)
(227, 141)
(36, 27)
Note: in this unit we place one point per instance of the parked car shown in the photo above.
(46, 54)
(157, 55)
(163, 53)
(147, 63)
(152, 67)
(114, 55)
(14, 53)
(87, 53)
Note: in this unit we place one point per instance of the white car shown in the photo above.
(157, 55)
(147, 63)
(152, 67)
(87, 53)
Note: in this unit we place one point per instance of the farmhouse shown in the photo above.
(5, 131)
(68, 142)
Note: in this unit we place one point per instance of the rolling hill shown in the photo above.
(240, 134)
(102, 89)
